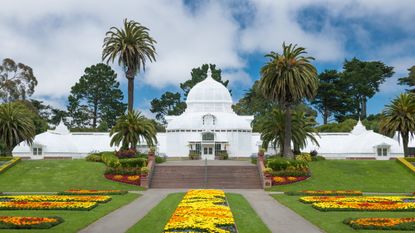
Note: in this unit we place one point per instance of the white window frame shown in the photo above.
(37, 151)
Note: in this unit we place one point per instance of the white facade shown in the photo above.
(209, 125)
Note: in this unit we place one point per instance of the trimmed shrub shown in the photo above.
(122, 171)
(96, 157)
(254, 160)
(281, 164)
(223, 155)
(290, 173)
(6, 158)
(304, 157)
(160, 159)
(133, 162)
(412, 159)
(110, 159)
(194, 155)
(318, 158)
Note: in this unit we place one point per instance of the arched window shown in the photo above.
(208, 119)
(208, 136)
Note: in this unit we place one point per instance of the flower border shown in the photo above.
(47, 205)
(124, 179)
(41, 225)
(92, 192)
(325, 193)
(403, 224)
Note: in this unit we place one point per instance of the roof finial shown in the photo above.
(209, 73)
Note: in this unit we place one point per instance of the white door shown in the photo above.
(208, 152)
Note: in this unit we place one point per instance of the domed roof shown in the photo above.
(209, 96)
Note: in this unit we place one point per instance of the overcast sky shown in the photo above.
(59, 39)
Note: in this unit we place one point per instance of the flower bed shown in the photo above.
(18, 222)
(364, 206)
(313, 199)
(92, 192)
(128, 179)
(56, 198)
(326, 193)
(407, 224)
(202, 211)
(46, 205)
(10, 163)
(281, 180)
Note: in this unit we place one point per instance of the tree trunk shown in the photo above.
(130, 78)
(288, 153)
(405, 139)
(363, 114)
(325, 116)
(94, 117)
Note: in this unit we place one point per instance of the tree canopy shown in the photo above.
(17, 81)
(96, 98)
(409, 80)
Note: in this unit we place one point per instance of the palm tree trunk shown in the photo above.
(405, 139)
(288, 134)
(130, 78)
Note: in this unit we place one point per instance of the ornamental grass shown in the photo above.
(403, 224)
(92, 192)
(18, 222)
(202, 211)
(46, 205)
(325, 193)
(56, 198)
(364, 206)
(313, 199)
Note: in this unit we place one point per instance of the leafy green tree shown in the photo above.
(96, 97)
(17, 81)
(16, 126)
(131, 129)
(409, 80)
(399, 116)
(363, 79)
(199, 74)
(48, 113)
(272, 127)
(169, 104)
(331, 98)
(133, 46)
(40, 123)
(288, 79)
(172, 103)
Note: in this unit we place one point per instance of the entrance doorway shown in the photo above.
(208, 152)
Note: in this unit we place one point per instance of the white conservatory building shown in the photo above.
(207, 127)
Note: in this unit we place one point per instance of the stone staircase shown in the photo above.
(223, 177)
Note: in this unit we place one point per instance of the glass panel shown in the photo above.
(210, 150)
(198, 147)
(205, 150)
(208, 137)
(385, 151)
(39, 151)
(217, 146)
(379, 151)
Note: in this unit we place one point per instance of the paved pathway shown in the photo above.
(277, 217)
(122, 219)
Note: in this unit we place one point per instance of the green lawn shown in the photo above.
(58, 175)
(332, 221)
(74, 220)
(245, 217)
(367, 176)
(157, 218)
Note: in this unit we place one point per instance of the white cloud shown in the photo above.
(58, 39)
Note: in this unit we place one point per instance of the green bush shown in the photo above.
(410, 159)
(281, 164)
(254, 160)
(96, 157)
(194, 155)
(122, 171)
(160, 159)
(6, 158)
(304, 157)
(133, 162)
(110, 159)
(223, 154)
(290, 173)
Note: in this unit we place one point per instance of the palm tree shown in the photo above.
(272, 130)
(131, 129)
(15, 126)
(287, 79)
(132, 45)
(399, 116)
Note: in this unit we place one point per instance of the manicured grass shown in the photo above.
(73, 220)
(247, 221)
(245, 217)
(367, 176)
(157, 218)
(332, 221)
(58, 175)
